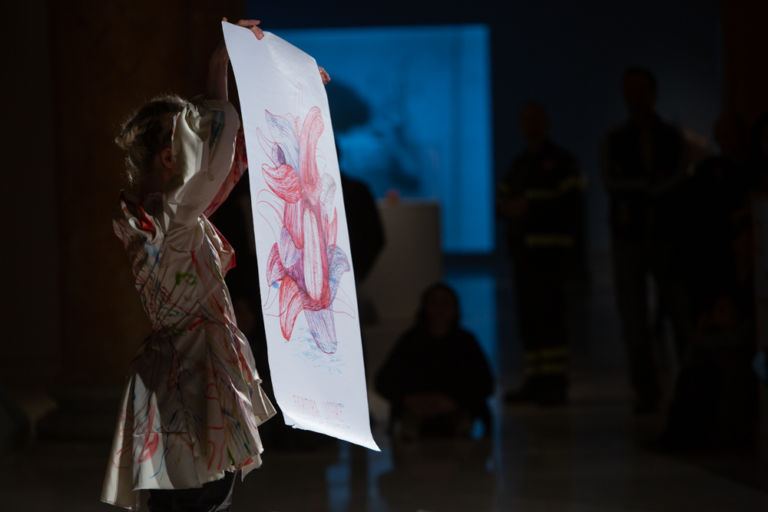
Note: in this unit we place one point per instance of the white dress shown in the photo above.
(193, 400)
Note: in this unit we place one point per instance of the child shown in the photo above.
(193, 401)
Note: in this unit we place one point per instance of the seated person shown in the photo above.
(715, 404)
(436, 378)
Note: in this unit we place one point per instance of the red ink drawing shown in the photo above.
(304, 263)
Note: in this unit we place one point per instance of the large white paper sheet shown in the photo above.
(302, 243)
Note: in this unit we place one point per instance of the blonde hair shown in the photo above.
(146, 133)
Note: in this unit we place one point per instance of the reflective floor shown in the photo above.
(586, 457)
(592, 455)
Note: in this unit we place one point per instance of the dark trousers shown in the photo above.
(540, 277)
(634, 262)
(213, 496)
(630, 274)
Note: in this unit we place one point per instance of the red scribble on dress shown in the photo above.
(212, 448)
(151, 439)
(145, 222)
(305, 263)
(194, 324)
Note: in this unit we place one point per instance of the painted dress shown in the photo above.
(193, 400)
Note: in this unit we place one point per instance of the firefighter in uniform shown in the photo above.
(541, 200)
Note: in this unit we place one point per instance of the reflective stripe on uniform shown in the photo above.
(573, 182)
(555, 353)
(553, 368)
(547, 361)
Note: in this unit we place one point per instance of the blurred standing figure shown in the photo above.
(718, 203)
(644, 166)
(540, 197)
(366, 232)
(714, 397)
(366, 237)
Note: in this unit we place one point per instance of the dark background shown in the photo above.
(75, 69)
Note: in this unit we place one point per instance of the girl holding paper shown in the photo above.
(192, 405)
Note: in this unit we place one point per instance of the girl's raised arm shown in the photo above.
(218, 64)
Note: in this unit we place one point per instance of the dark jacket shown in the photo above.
(640, 172)
(550, 181)
(454, 365)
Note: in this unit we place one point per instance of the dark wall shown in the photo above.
(745, 45)
(30, 304)
(107, 58)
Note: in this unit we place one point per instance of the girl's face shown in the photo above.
(165, 175)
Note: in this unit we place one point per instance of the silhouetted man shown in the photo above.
(644, 166)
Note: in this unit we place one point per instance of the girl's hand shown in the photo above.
(253, 25)
(324, 75)
(216, 87)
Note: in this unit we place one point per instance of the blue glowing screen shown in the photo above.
(411, 113)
